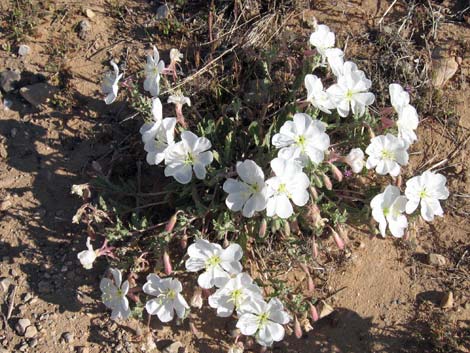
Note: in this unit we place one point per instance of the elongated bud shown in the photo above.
(313, 192)
(317, 181)
(226, 243)
(294, 226)
(336, 172)
(339, 242)
(184, 242)
(287, 228)
(371, 132)
(342, 233)
(399, 181)
(193, 329)
(171, 223)
(314, 249)
(327, 182)
(167, 263)
(304, 268)
(262, 228)
(310, 284)
(313, 312)
(297, 328)
(196, 299)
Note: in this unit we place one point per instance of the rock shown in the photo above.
(5, 284)
(23, 347)
(163, 12)
(24, 50)
(31, 331)
(175, 347)
(21, 326)
(436, 259)
(67, 337)
(33, 342)
(444, 66)
(38, 94)
(447, 300)
(27, 297)
(324, 309)
(90, 14)
(84, 29)
(8, 80)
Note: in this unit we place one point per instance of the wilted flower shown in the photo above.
(249, 193)
(316, 95)
(264, 320)
(351, 91)
(168, 298)
(87, 257)
(191, 153)
(110, 84)
(218, 263)
(386, 154)
(114, 295)
(149, 130)
(388, 208)
(153, 69)
(322, 39)
(426, 189)
(335, 58)
(233, 294)
(179, 100)
(302, 139)
(175, 55)
(355, 159)
(290, 183)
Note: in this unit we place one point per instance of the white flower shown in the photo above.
(149, 130)
(175, 55)
(355, 159)
(165, 137)
(218, 263)
(188, 154)
(114, 295)
(264, 320)
(153, 69)
(249, 194)
(408, 119)
(386, 154)
(233, 294)
(426, 189)
(388, 208)
(302, 139)
(168, 298)
(179, 99)
(110, 84)
(398, 96)
(351, 91)
(322, 39)
(87, 257)
(316, 95)
(335, 58)
(290, 183)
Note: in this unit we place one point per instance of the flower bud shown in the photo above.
(171, 223)
(313, 312)
(184, 242)
(167, 263)
(297, 328)
(193, 329)
(336, 172)
(196, 299)
(294, 226)
(262, 228)
(310, 284)
(339, 242)
(313, 192)
(314, 249)
(327, 182)
(286, 228)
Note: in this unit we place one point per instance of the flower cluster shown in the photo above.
(236, 291)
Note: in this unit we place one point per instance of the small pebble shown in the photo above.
(67, 337)
(90, 14)
(24, 50)
(21, 326)
(33, 342)
(31, 331)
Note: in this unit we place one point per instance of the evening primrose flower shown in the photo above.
(322, 39)
(263, 320)
(387, 209)
(217, 262)
(426, 189)
(290, 183)
(110, 84)
(302, 139)
(164, 138)
(351, 91)
(335, 58)
(249, 193)
(114, 295)
(149, 130)
(398, 96)
(233, 294)
(355, 159)
(87, 257)
(386, 154)
(408, 119)
(316, 95)
(153, 69)
(191, 153)
(168, 298)
(175, 55)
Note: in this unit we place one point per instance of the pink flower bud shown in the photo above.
(297, 328)
(336, 172)
(310, 284)
(193, 329)
(327, 182)
(313, 312)
(313, 192)
(314, 249)
(339, 242)
(262, 228)
(171, 223)
(184, 242)
(196, 299)
(167, 263)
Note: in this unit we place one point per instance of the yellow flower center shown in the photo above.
(213, 261)
(423, 194)
(263, 319)
(387, 154)
(235, 297)
(189, 159)
(349, 95)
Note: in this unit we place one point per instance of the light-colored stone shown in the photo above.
(31, 331)
(21, 326)
(447, 300)
(24, 50)
(90, 14)
(436, 259)
(5, 284)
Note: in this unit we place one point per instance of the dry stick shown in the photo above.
(11, 301)
(388, 10)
